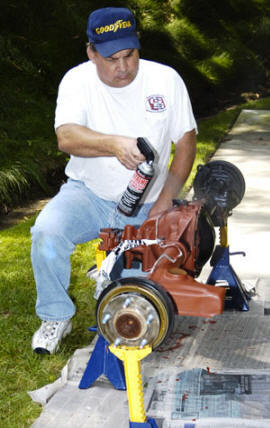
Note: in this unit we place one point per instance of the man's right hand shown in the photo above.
(127, 152)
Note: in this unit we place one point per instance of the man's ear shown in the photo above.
(91, 54)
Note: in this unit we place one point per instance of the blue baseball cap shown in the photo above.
(112, 29)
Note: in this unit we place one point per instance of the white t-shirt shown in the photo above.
(155, 105)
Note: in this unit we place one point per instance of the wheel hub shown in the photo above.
(128, 325)
(129, 319)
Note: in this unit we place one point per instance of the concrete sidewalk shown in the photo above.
(235, 341)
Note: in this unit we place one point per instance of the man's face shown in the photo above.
(117, 70)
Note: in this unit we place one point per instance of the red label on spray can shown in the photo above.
(138, 182)
(136, 188)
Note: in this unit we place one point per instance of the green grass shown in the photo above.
(20, 369)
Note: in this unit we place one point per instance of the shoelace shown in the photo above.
(49, 327)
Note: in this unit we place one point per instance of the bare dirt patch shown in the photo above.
(21, 213)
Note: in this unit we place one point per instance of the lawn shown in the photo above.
(20, 369)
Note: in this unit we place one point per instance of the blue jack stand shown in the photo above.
(149, 424)
(236, 297)
(102, 361)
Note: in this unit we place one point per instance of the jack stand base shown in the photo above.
(236, 297)
(102, 361)
(149, 424)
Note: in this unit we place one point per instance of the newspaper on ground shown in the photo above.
(200, 395)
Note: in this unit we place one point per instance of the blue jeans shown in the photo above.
(75, 215)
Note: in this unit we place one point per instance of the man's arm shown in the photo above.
(80, 141)
(185, 151)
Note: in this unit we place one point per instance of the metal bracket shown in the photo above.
(151, 423)
(102, 361)
(236, 297)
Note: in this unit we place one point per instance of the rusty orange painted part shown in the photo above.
(191, 297)
(172, 264)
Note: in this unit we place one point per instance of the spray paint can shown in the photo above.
(139, 181)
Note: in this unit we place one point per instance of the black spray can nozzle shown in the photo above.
(145, 148)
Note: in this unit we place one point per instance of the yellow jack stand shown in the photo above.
(100, 255)
(131, 358)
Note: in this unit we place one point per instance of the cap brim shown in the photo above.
(112, 46)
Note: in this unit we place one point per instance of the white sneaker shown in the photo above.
(47, 338)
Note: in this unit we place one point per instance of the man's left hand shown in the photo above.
(159, 207)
